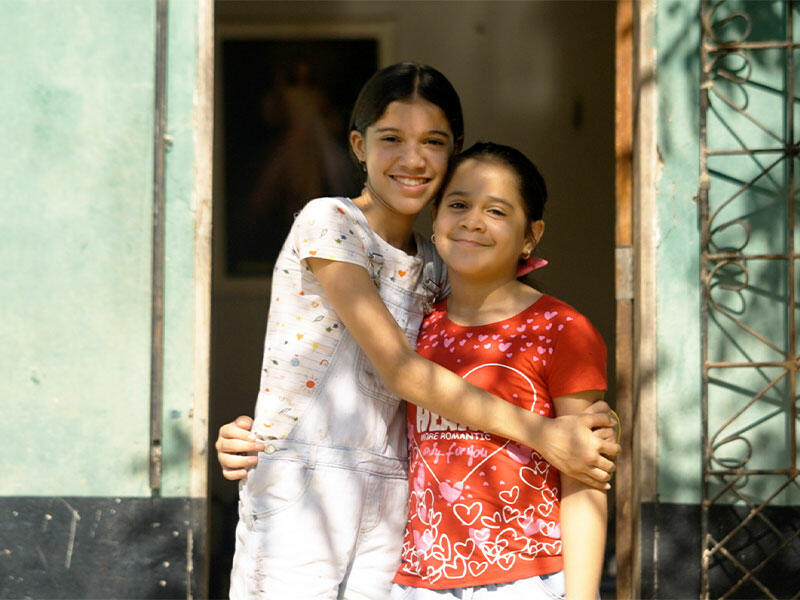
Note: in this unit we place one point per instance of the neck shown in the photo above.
(480, 303)
(392, 227)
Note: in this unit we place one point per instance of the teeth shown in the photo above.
(410, 180)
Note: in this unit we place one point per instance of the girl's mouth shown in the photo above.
(410, 181)
(468, 242)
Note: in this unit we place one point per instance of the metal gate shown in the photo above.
(749, 236)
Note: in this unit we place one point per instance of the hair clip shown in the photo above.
(530, 264)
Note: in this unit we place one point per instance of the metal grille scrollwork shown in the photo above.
(749, 236)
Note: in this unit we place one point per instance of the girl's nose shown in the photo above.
(473, 220)
(412, 157)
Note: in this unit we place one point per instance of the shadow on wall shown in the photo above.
(751, 407)
(752, 491)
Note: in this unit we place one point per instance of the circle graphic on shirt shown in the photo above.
(478, 502)
(494, 378)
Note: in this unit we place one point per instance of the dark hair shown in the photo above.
(532, 188)
(403, 81)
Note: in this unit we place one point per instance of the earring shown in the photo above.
(526, 255)
(433, 238)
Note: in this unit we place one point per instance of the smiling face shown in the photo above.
(405, 152)
(480, 225)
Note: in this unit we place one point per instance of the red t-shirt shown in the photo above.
(483, 509)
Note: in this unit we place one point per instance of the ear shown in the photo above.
(534, 236)
(458, 145)
(358, 145)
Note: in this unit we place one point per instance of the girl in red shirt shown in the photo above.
(487, 516)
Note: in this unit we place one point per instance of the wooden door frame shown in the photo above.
(203, 127)
(636, 172)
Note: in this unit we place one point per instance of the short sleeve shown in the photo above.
(579, 358)
(327, 228)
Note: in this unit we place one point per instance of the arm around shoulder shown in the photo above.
(404, 372)
(567, 443)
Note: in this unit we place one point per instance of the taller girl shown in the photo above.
(322, 514)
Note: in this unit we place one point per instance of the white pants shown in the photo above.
(544, 587)
(321, 523)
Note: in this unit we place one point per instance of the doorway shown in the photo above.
(524, 80)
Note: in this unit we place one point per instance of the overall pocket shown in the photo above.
(275, 485)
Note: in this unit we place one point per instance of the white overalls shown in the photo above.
(323, 513)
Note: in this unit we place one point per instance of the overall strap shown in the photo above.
(434, 275)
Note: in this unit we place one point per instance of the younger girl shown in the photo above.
(322, 514)
(485, 513)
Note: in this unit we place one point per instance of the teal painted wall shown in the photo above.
(179, 321)
(744, 188)
(76, 162)
(677, 33)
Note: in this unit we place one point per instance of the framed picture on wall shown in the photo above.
(283, 106)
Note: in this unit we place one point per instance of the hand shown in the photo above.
(233, 445)
(607, 432)
(583, 446)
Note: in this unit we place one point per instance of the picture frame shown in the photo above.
(283, 99)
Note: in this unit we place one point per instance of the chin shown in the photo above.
(412, 209)
(468, 271)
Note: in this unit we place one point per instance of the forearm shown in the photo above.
(583, 535)
(439, 390)
(566, 442)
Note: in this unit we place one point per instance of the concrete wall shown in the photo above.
(77, 175)
(751, 194)
(678, 251)
(76, 188)
(748, 405)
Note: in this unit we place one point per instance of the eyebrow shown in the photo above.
(393, 129)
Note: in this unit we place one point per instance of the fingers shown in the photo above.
(599, 468)
(595, 478)
(244, 422)
(603, 467)
(606, 433)
(610, 448)
(596, 420)
(237, 461)
(237, 437)
(238, 429)
(601, 406)
(236, 466)
(236, 446)
(606, 466)
(234, 474)
(599, 477)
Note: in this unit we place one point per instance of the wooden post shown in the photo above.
(627, 582)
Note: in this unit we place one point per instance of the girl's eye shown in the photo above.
(389, 138)
(436, 142)
(456, 204)
(497, 212)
